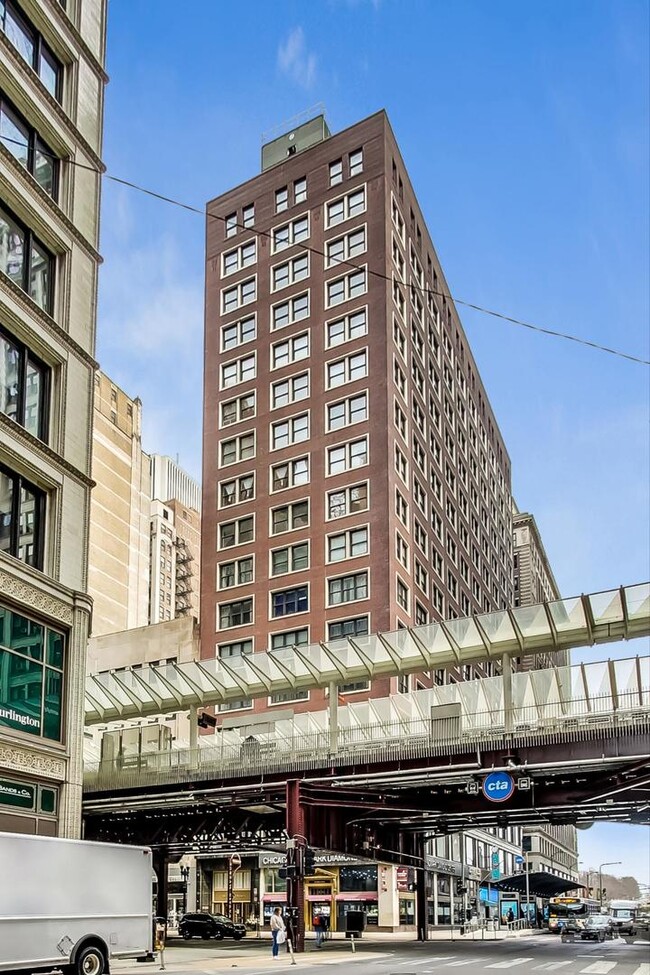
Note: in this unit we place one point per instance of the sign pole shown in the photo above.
(527, 889)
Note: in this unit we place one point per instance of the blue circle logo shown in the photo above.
(498, 786)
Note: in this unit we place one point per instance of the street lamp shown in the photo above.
(610, 863)
(185, 873)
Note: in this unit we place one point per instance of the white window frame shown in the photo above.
(346, 535)
(242, 298)
(290, 381)
(290, 505)
(236, 562)
(346, 490)
(290, 562)
(347, 213)
(238, 401)
(292, 277)
(299, 191)
(237, 440)
(346, 403)
(291, 233)
(344, 619)
(347, 602)
(235, 626)
(347, 365)
(240, 376)
(346, 282)
(348, 249)
(356, 167)
(241, 260)
(291, 482)
(291, 303)
(281, 199)
(346, 445)
(239, 500)
(242, 337)
(299, 612)
(236, 522)
(290, 342)
(350, 329)
(291, 425)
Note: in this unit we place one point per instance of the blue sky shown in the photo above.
(525, 131)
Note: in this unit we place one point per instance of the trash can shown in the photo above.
(355, 923)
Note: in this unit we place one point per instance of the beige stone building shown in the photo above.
(118, 575)
(51, 106)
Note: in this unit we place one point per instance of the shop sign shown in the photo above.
(16, 719)
(452, 867)
(17, 794)
(320, 859)
(402, 877)
(498, 786)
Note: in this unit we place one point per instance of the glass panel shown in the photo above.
(33, 398)
(9, 377)
(28, 527)
(19, 35)
(55, 645)
(48, 71)
(6, 507)
(12, 249)
(53, 696)
(39, 279)
(20, 693)
(14, 135)
(44, 168)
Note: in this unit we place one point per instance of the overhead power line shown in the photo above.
(256, 232)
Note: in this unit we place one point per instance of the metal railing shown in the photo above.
(231, 757)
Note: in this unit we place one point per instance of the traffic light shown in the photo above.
(461, 888)
(288, 872)
(604, 893)
(205, 720)
(309, 862)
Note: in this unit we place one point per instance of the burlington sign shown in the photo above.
(498, 786)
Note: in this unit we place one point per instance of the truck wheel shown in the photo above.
(90, 961)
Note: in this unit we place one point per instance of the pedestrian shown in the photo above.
(318, 928)
(511, 915)
(278, 930)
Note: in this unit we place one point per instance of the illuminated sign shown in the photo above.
(498, 786)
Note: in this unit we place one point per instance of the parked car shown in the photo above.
(597, 927)
(210, 926)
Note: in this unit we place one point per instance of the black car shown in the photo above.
(210, 926)
(597, 927)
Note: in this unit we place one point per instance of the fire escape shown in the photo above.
(184, 574)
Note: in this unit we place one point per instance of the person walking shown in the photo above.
(278, 930)
(510, 915)
(318, 928)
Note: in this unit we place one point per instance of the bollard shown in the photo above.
(161, 954)
(290, 947)
(352, 939)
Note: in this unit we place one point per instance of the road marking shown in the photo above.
(509, 964)
(465, 961)
(643, 969)
(426, 961)
(552, 966)
(599, 968)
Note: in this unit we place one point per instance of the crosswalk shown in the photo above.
(525, 964)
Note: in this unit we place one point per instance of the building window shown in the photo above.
(347, 501)
(31, 47)
(354, 686)
(236, 449)
(347, 370)
(290, 233)
(347, 456)
(24, 143)
(347, 589)
(401, 464)
(341, 629)
(292, 558)
(291, 350)
(238, 333)
(286, 391)
(239, 258)
(290, 474)
(230, 224)
(238, 490)
(346, 207)
(348, 545)
(22, 518)
(282, 199)
(400, 378)
(352, 326)
(344, 248)
(421, 577)
(236, 573)
(238, 649)
(401, 508)
(238, 371)
(24, 386)
(239, 613)
(347, 412)
(32, 664)
(295, 309)
(26, 261)
(290, 638)
(238, 295)
(289, 601)
(294, 429)
(235, 410)
(402, 595)
(248, 216)
(336, 172)
(244, 704)
(356, 163)
(289, 517)
(236, 532)
(290, 272)
(300, 190)
(285, 697)
(346, 288)
(401, 551)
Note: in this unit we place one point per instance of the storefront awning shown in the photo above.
(540, 884)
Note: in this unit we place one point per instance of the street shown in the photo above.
(539, 953)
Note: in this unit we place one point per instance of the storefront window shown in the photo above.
(358, 878)
(406, 911)
(31, 676)
(274, 882)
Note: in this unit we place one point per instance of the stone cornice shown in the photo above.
(23, 176)
(67, 25)
(31, 308)
(27, 439)
(30, 75)
(18, 758)
(34, 594)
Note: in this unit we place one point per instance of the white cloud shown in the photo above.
(295, 60)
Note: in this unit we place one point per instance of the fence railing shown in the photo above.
(231, 757)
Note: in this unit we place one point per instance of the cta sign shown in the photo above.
(498, 786)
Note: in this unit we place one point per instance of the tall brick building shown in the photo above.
(354, 476)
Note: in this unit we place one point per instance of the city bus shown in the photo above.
(560, 909)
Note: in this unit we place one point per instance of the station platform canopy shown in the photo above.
(540, 884)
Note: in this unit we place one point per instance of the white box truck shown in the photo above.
(71, 904)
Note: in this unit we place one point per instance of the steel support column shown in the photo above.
(295, 825)
(506, 677)
(159, 862)
(421, 905)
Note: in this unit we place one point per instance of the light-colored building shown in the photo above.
(51, 113)
(118, 572)
(169, 480)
